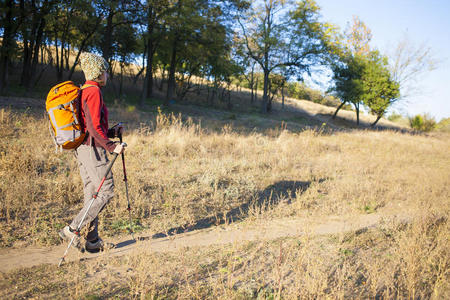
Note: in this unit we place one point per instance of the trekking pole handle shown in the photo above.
(118, 124)
(120, 132)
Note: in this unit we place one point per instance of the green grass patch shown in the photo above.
(123, 225)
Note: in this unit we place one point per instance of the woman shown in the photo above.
(92, 153)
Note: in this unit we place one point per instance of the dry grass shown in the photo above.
(396, 260)
(183, 175)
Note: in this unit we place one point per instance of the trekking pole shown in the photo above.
(126, 189)
(77, 231)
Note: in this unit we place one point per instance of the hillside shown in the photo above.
(231, 205)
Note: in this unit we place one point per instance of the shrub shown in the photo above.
(395, 117)
(422, 122)
(443, 125)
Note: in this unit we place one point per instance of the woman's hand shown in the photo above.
(119, 149)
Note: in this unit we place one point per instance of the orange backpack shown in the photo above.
(63, 108)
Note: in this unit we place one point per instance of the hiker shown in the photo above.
(92, 153)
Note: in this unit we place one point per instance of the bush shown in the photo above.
(395, 117)
(443, 125)
(300, 91)
(422, 122)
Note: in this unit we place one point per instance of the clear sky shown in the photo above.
(422, 21)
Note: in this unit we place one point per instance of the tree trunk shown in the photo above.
(270, 96)
(121, 78)
(106, 48)
(35, 53)
(150, 55)
(256, 90)
(222, 95)
(26, 37)
(163, 78)
(376, 121)
(6, 48)
(57, 64)
(282, 96)
(265, 99)
(214, 92)
(252, 83)
(83, 44)
(144, 89)
(150, 77)
(136, 77)
(229, 104)
(61, 58)
(39, 76)
(32, 40)
(42, 55)
(56, 53)
(67, 56)
(151, 47)
(357, 113)
(171, 81)
(60, 52)
(147, 78)
(339, 107)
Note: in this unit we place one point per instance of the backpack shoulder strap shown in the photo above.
(88, 85)
(85, 86)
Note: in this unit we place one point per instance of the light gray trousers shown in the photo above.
(93, 162)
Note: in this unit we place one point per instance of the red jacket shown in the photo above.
(94, 117)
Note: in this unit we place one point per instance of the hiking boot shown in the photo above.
(94, 246)
(67, 234)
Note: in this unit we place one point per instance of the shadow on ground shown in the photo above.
(270, 196)
(345, 124)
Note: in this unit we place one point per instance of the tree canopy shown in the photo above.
(361, 75)
(216, 41)
(284, 37)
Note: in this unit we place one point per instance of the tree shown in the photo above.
(215, 45)
(176, 20)
(348, 85)
(32, 31)
(365, 79)
(362, 75)
(277, 82)
(358, 37)
(408, 63)
(279, 34)
(84, 24)
(250, 76)
(197, 41)
(153, 20)
(124, 46)
(350, 53)
(379, 89)
(248, 69)
(117, 13)
(9, 23)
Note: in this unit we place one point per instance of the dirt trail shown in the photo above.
(11, 259)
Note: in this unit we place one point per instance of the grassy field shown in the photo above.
(204, 168)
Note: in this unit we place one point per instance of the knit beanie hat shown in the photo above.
(92, 65)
